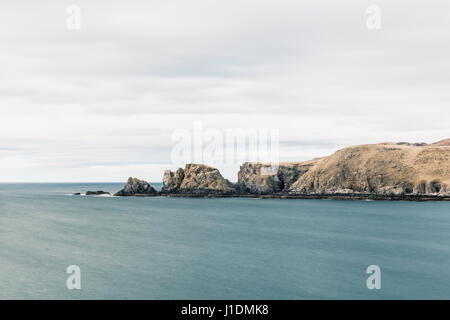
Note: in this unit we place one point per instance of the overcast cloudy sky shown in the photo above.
(101, 103)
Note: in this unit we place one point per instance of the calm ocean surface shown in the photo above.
(185, 248)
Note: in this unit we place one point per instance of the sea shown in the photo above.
(217, 248)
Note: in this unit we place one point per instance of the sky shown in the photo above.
(104, 101)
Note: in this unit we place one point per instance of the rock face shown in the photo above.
(386, 168)
(136, 187)
(172, 180)
(196, 178)
(96, 193)
(266, 178)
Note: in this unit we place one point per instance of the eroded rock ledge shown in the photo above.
(385, 171)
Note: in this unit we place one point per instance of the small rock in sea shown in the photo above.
(77, 194)
(96, 193)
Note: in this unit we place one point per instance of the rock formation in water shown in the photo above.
(196, 179)
(95, 193)
(382, 169)
(136, 187)
(267, 178)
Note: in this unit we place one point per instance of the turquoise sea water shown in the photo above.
(185, 248)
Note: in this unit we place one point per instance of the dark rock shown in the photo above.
(96, 193)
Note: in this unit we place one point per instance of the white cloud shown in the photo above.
(100, 104)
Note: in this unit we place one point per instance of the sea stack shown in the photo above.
(136, 187)
(196, 179)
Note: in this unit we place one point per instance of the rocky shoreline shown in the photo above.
(385, 171)
(374, 197)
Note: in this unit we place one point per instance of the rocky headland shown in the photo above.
(384, 171)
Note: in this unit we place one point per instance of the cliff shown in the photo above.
(266, 178)
(196, 178)
(382, 169)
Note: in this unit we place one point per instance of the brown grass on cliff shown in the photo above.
(442, 143)
(385, 168)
